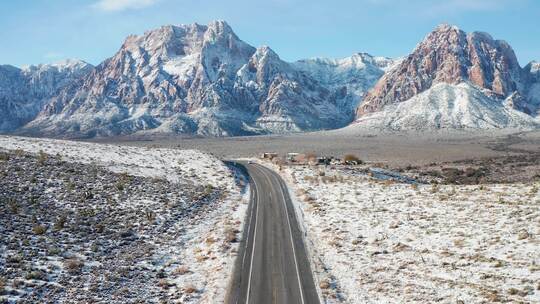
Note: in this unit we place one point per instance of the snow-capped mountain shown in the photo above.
(532, 89)
(351, 77)
(454, 80)
(23, 92)
(202, 79)
(448, 106)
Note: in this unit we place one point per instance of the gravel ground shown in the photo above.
(394, 149)
(81, 233)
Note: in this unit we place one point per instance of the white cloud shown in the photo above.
(120, 5)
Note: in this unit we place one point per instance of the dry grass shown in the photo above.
(190, 289)
(73, 265)
(39, 229)
(182, 270)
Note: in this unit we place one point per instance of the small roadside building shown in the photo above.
(292, 156)
(269, 155)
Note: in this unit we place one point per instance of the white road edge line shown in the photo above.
(251, 197)
(290, 232)
(254, 240)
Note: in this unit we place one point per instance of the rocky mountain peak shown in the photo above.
(448, 55)
(220, 29)
(533, 68)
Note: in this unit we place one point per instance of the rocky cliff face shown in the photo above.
(202, 79)
(532, 89)
(23, 92)
(449, 55)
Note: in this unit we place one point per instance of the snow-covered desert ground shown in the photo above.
(375, 241)
(84, 222)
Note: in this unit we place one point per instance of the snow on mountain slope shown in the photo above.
(23, 92)
(352, 76)
(204, 80)
(447, 106)
(533, 89)
(449, 55)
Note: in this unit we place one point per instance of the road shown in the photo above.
(272, 264)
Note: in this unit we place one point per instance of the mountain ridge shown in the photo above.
(201, 80)
(452, 57)
(204, 80)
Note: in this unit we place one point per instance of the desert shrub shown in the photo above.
(123, 180)
(53, 251)
(87, 212)
(230, 234)
(14, 259)
(190, 289)
(2, 285)
(120, 185)
(4, 156)
(452, 175)
(181, 270)
(324, 284)
(434, 173)
(73, 265)
(468, 176)
(208, 189)
(39, 229)
(42, 158)
(36, 275)
(13, 205)
(351, 158)
(150, 215)
(60, 223)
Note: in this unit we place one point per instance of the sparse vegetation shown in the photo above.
(190, 289)
(65, 222)
(73, 265)
(60, 223)
(352, 159)
(405, 235)
(42, 157)
(39, 229)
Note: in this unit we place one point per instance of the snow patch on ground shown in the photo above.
(384, 242)
(206, 247)
(174, 165)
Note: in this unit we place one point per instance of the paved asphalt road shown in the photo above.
(272, 265)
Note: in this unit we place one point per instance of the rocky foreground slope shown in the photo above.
(201, 79)
(455, 80)
(91, 223)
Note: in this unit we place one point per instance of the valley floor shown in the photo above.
(380, 241)
(85, 222)
(392, 148)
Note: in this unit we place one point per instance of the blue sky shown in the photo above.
(40, 31)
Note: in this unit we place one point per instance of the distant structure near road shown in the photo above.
(292, 156)
(328, 160)
(269, 155)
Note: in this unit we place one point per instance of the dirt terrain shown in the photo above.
(507, 156)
